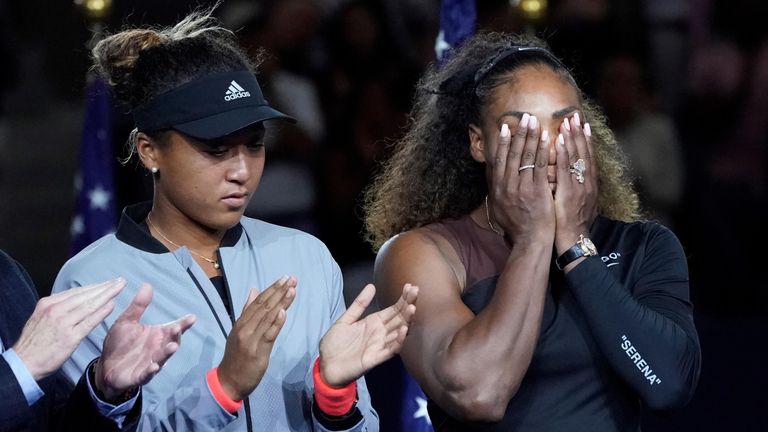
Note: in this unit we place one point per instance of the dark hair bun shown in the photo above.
(115, 57)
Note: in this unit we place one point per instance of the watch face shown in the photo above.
(588, 247)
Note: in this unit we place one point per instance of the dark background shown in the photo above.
(684, 84)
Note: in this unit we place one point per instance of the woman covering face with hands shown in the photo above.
(273, 347)
(545, 303)
(525, 165)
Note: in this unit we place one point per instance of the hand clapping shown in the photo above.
(352, 346)
(60, 321)
(250, 343)
(133, 353)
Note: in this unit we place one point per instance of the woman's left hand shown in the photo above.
(575, 201)
(352, 346)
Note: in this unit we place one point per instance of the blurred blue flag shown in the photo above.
(95, 213)
(457, 23)
(415, 417)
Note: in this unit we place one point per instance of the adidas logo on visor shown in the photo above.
(235, 91)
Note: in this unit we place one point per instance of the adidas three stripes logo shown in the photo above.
(235, 91)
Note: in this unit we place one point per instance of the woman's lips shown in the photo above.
(235, 200)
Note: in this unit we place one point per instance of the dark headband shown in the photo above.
(209, 107)
(506, 53)
(461, 80)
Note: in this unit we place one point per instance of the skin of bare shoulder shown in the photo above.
(424, 258)
(405, 256)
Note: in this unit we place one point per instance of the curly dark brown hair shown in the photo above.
(431, 175)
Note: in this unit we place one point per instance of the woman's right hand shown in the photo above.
(249, 345)
(520, 201)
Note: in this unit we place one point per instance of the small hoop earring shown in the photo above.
(154, 170)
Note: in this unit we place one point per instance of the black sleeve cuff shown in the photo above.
(81, 412)
(334, 423)
(91, 371)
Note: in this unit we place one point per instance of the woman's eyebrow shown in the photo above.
(517, 114)
(563, 112)
(209, 143)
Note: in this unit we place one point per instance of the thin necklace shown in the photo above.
(487, 216)
(212, 261)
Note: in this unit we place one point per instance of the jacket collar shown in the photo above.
(133, 230)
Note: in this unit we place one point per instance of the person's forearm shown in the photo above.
(650, 342)
(484, 363)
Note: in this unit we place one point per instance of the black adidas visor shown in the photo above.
(209, 107)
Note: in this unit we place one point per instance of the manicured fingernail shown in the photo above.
(284, 279)
(505, 130)
(560, 139)
(533, 123)
(545, 136)
(567, 124)
(587, 130)
(576, 119)
(524, 120)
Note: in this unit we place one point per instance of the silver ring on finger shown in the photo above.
(578, 168)
(525, 167)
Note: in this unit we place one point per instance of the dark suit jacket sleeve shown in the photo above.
(17, 301)
(58, 409)
(14, 411)
(81, 413)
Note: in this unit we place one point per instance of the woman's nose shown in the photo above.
(239, 169)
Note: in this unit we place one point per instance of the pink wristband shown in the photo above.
(334, 401)
(219, 394)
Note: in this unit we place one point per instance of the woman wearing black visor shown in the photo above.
(274, 347)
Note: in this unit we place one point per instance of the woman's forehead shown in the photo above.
(536, 89)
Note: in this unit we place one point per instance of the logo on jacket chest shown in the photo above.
(611, 259)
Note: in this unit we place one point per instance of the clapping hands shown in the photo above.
(133, 352)
(352, 346)
(60, 321)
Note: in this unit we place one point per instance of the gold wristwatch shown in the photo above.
(583, 247)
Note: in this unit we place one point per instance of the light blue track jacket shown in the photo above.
(254, 254)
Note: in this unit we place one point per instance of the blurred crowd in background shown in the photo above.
(684, 85)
